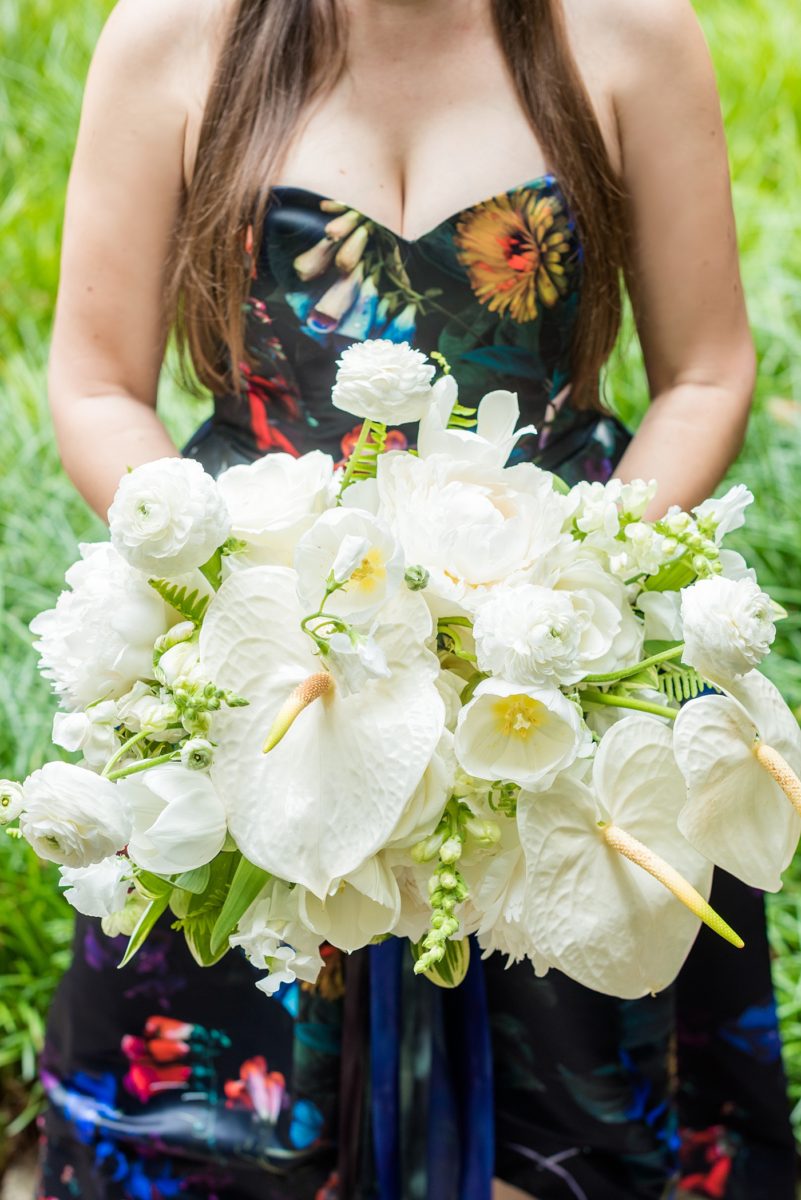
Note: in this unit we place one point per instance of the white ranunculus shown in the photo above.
(178, 819)
(273, 501)
(99, 890)
(99, 638)
(12, 800)
(143, 711)
(168, 517)
(73, 816)
(727, 512)
(728, 626)
(360, 907)
(736, 813)
(381, 380)
(529, 634)
(92, 732)
(490, 443)
(275, 940)
(611, 635)
(471, 526)
(523, 734)
(592, 913)
(360, 551)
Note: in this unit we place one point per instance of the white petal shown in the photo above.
(364, 906)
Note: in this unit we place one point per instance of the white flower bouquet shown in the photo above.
(422, 695)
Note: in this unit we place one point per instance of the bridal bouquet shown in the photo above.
(422, 694)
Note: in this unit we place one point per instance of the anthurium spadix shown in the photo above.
(592, 907)
(328, 796)
(741, 757)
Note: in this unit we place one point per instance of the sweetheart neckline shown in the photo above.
(547, 178)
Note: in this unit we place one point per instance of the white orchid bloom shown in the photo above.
(490, 443)
(354, 660)
(359, 908)
(178, 818)
(602, 862)
(361, 553)
(292, 809)
(741, 755)
(524, 734)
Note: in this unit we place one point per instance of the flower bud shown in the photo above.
(197, 754)
(11, 800)
(451, 851)
(416, 578)
(428, 848)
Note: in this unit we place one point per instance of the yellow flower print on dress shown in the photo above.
(517, 250)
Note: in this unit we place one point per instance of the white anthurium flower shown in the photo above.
(422, 814)
(273, 501)
(490, 443)
(662, 612)
(168, 517)
(12, 800)
(99, 638)
(374, 744)
(99, 890)
(385, 381)
(524, 734)
(178, 818)
(740, 754)
(725, 513)
(361, 553)
(73, 816)
(275, 940)
(359, 908)
(471, 526)
(92, 732)
(144, 711)
(592, 907)
(728, 626)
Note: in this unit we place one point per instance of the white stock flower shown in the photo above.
(490, 443)
(12, 800)
(381, 380)
(728, 626)
(725, 513)
(275, 940)
(521, 733)
(178, 818)
(92, 732)
(99, 890)
(73, 816)
(361, 552)
(529, 634)
(181, 661)
(99, 638)
(168, 517)
(143, 711)
(274, 500)
(596, 507)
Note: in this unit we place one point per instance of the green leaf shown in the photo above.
(451, 970)
(151, 886)
(191, 605)
(246, 884)
(197, 932)
(195, 881)
(213, 569)
(144, 925)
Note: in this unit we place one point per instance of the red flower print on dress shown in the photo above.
(262, 394)
(155, 1058)
(396, 440)
(711, 1148)
(257, 1088)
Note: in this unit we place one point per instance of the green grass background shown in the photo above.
(45, 48)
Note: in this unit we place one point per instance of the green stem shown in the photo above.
(123, 749)
(613, 700)
(364, 434)
(141, 766)
(653, 661)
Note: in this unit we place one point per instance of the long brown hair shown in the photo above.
(279, 55)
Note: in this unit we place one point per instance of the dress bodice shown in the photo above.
(493, 288)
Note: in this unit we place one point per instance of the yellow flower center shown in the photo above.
(370, 571)
(519, 716)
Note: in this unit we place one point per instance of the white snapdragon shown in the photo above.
(596, 507)
(728, 626)
(99, 638)
(180, 662)
(73, 816)
(382, 380)
(168, 517)
(99, 890)
(178, 819)
(12, 801)
(92, 732)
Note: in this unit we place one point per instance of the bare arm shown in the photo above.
(685, 280)
(124, 189)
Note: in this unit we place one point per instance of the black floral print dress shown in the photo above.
(168, 1080)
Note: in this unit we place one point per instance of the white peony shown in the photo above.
(168, 517)
(99, 890)
(521, 733)
(12, 800)
(92, 732)
(178, 819)
(491, 442)
(728, 626)
(385, 381)
(73, 816)
(529, 634)
(273, 501)
(360, 552)
(99, 638)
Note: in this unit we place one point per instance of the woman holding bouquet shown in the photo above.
(278, 180)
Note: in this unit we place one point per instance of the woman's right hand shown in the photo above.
(143, 90)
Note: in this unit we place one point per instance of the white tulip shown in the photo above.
(168, 517)
(385, 381)
(590, 911)
(12, 800)
(359, 908)
(728, 626)
(274, 500)
(523, 734)
(99, 890)
(490, 443)
(73, 816)
(92, 732)
(99, 638)
(737, 812)
(178, 819)
(360, 552)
